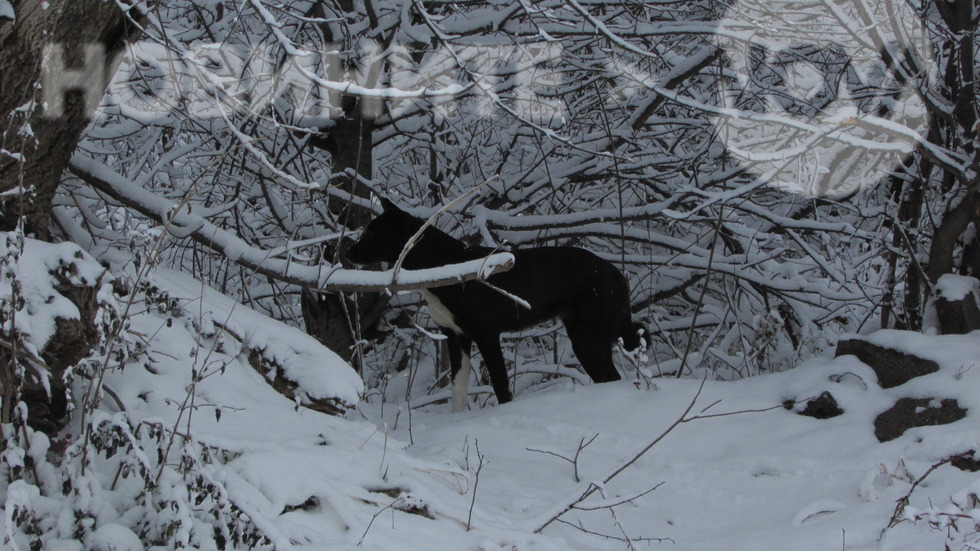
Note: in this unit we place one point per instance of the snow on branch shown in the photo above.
(181, 224)
(834, 128)
(661, 209)
(601, 28)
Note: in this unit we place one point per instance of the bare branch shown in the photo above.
(582, 444)
(682, 418)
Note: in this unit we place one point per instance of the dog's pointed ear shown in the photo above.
(389, 206)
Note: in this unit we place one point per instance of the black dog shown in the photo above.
(588, 293)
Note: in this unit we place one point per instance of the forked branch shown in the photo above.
(593, 487)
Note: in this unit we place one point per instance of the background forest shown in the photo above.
(768, 175)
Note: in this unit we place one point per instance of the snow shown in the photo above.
(43, 304)
(954, 287)
(755, 480)
(685, 463)
(316, 369)
(689, 464)
(113, 537)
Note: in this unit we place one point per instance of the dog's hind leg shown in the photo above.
(593, 348)
(489, 346)
(459, 363)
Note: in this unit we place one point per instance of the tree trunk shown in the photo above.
(39, 142)
(907, 192)
(329, 317)
(949, 231)
(960, 17)
(953, 318)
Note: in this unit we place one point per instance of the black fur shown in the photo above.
(588, 293)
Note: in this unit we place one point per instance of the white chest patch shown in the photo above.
(440, 314)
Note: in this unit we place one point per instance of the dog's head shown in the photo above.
(384, 237)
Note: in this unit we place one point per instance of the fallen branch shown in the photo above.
(903, 501)
(183, 224)
(585, 530)
(582, 444)
(593, 487)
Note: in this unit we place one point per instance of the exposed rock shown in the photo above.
(283, 385)
(966, 461)
(909, 413)
(892, 367)
(822, 407)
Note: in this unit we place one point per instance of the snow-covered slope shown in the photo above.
(740, 471)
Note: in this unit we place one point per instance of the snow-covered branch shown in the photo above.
(183, 224)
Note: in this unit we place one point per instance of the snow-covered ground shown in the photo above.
(741, 471)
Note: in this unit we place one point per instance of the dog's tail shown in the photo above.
(633, 335)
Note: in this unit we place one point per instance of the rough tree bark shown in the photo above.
(37, 146)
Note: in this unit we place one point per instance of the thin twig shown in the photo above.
(476, 482)
(582, 444)
(585, 530)
(682, 418)
(704, 289)
(375, 516)
(903, 502)
(620, 502)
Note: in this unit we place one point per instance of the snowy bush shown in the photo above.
(110, 480)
